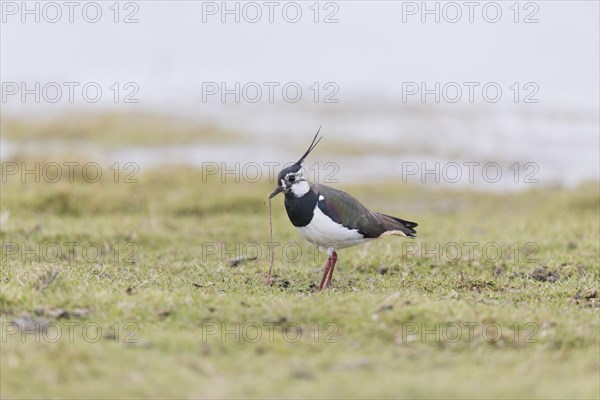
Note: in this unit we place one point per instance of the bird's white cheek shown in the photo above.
(300, 188)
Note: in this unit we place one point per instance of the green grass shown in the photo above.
(112, 130)
(179, 290)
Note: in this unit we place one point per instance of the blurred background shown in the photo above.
(478, 120)
(393, 84)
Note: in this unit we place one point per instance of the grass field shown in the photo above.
(128, 290)
(111, 130)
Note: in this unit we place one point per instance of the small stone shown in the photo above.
(382, 269)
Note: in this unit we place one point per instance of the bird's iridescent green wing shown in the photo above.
(348, 211)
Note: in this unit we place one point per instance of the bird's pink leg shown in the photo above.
(333, 261)
(327, 268)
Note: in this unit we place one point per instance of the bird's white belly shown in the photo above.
(327, 233)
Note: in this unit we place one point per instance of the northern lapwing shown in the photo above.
(330, 218)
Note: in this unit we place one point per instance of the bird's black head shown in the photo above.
(291, 180)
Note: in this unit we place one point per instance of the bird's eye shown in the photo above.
(291, 178)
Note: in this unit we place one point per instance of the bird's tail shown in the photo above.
(397, 226)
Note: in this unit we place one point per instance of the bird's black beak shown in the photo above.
(277, 190)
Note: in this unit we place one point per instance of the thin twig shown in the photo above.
(271, 252)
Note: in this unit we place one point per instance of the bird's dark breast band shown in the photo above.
(300, 209)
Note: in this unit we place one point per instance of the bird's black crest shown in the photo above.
(314, 144)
